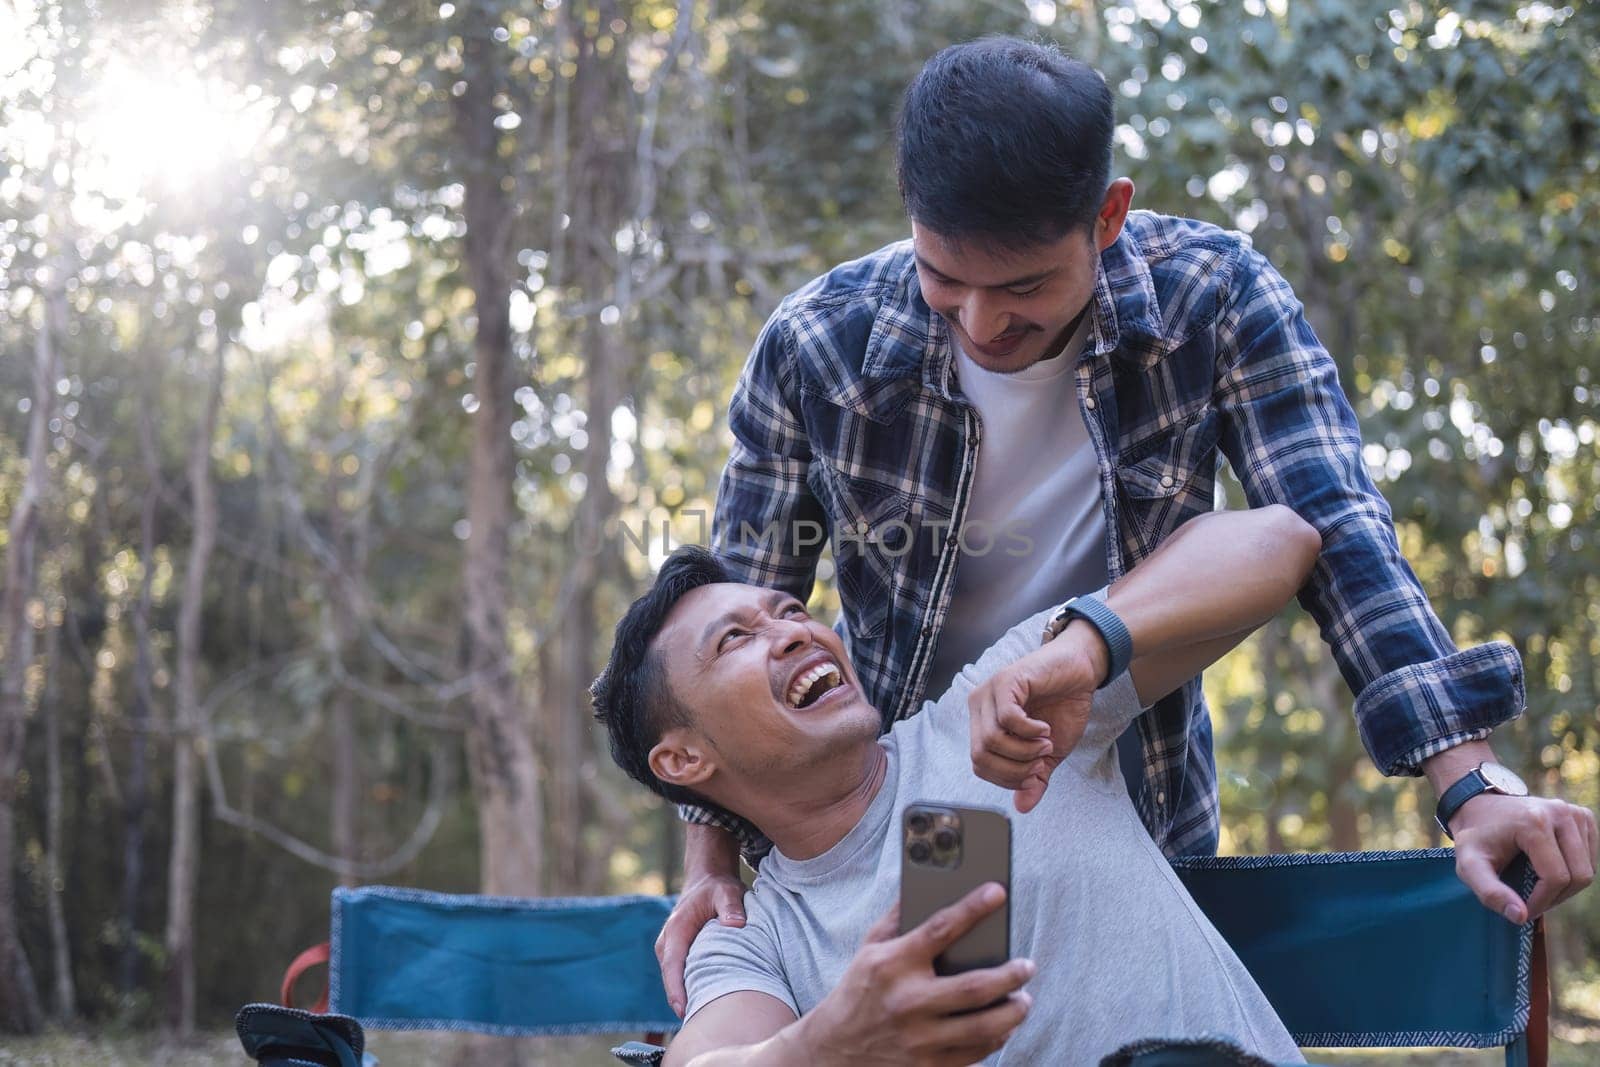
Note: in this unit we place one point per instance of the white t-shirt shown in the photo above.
(1035, 529)
(1123, 951)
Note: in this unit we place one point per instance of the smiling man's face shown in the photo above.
(767, 687)
(1010, 307)
(1007, 310)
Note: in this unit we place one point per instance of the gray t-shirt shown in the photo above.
(1123, 951)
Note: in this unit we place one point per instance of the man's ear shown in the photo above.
(1113, 213)
(681, 758)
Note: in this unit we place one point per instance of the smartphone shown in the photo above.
(947, 852)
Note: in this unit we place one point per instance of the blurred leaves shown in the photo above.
(1425, 174)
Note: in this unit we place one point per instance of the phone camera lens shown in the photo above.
(919, 823)
(919, 852)
(945, 839)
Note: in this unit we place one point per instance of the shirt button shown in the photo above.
(1161, 797)
(927, 628)
(1088, 402)
(1166, 481)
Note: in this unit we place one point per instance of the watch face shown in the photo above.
(1503, 779)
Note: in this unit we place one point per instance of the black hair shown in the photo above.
(1006, 142)
(631, 696)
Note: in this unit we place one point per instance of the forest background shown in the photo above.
(359, 360)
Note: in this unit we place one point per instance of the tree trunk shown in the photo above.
(138, 789)
(346, 842)
(65, 998)
(184, 862)
(616, 148)
(20, 1010)
(342, 715)
(568, 715)
(500, 752)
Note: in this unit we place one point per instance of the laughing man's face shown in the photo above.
(768, 688)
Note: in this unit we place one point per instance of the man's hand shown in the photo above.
(1029, 716)
(890, 1007)
(1560, 839)
(1490, 829)
(711, 890)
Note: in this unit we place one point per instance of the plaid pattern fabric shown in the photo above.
(848, 426)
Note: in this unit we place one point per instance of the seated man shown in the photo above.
(729, 694)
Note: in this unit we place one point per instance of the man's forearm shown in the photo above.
(1451, 765)
(709, 850)
(1218, 575)
(786, 1048)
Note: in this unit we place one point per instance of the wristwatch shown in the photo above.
(1486, 777)
(1119, 642)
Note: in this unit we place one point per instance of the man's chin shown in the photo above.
(1025, 355)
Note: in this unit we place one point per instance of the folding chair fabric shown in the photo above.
(405, 959)
(1370, 949)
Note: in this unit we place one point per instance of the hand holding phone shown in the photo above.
(889, 1006)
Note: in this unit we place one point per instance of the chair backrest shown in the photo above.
(404, 959)
(1359, 949)
(1372, 948)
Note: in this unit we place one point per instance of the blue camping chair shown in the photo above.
(1354, 949)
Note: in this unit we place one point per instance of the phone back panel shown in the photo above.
(924, 889)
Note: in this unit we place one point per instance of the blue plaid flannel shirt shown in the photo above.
(848, 423)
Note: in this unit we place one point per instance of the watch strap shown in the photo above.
(1119, 642)
(1465, 788)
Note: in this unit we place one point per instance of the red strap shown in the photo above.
(1539, 997)
(311, 957)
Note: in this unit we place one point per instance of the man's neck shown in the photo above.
(803, 828)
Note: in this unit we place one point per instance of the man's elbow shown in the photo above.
(1296, 539)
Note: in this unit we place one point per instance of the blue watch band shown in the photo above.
(1119, 642)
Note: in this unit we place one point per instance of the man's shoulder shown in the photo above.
(757, 939)
(1170, 275)
(869, 279)
(1160, 237)
(835, 323)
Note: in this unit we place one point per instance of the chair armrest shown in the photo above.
(639, 1052)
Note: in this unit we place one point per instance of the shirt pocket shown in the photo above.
(869, 533)
(1170, 476)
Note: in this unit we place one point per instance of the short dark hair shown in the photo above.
(631, 696)
(1005, 141)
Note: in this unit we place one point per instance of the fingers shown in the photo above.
(985, 1030)
(978, 988)
(724, 900)
(1477, 870)
(1013, 720)
(672, 946)
(1538, 840)
(945, 926)
(1032, 791)
(888, 925)
(1006, 773)
(1011, 748)
(729, 898)
(1005, 741)
(1573, 839)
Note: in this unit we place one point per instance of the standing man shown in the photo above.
(1020, 403)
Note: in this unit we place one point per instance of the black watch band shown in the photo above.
(1486, 777)
(1468, 786)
